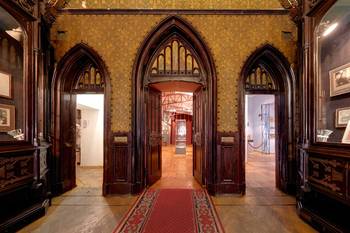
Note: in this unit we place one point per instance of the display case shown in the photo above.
(23, 161)
(324, 153)
(332, 69)
(12, 83)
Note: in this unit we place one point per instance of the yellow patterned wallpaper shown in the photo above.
(231, 40)
(178, 4)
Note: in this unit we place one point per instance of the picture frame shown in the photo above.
(5, 85)
(7, 117)
(339, 80)
(346, 136)
(342, 117)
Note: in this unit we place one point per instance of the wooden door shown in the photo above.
(154, 136)
(198, 134)
(68, 140)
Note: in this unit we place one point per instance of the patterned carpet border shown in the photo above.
(206, 218)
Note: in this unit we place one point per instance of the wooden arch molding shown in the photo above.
(170, 26)
(277, 65)
(65, 78)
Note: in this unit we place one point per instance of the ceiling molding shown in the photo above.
(280, 11)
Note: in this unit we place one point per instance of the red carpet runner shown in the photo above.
(171, 211)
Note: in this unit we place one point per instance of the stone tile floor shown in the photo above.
(263, 209)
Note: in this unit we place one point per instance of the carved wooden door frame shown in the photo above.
(285, 94)
(172, 25)
(65, 81)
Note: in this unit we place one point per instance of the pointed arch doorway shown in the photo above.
(267, 73)
(173, 53)
(80, 71)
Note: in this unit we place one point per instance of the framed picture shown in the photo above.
(340, 80)
(5, 85)
(346, 136)
(7, 117)
(342, 117)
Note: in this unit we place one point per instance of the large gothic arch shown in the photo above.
(66, 83)
(171, 26)
(274, 63)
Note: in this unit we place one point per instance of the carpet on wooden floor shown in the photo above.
(172, 211)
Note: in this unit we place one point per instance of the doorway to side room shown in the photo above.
(89, 140)
(260, 146)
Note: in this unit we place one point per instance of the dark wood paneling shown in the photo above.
(229, 164)
(118, 180)
(120, 156)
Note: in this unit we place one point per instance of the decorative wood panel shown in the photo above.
(119, 165)
(120, 156)
(328, 174)
(16, 171)
(229, 163)
(27, 5)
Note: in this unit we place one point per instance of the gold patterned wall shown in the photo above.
(176, 4)
(231, 39)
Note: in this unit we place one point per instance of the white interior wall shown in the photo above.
(92, 128)
(253, 121)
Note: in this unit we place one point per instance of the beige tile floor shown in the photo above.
(263, 209)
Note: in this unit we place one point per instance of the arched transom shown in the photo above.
(90, 80)
(259, 79)
(175, 59)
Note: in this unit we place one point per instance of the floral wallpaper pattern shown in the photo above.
(179, 4)
(231, 39)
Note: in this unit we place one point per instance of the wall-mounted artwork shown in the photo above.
(7, 117)
(5, 85)
(340, 80)
(342, 117)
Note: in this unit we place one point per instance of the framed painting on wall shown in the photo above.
(7, 117)
(340, 80)
(5, 85)
(342, 117)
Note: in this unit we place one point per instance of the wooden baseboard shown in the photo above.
(24, 218)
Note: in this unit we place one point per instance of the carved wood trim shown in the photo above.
(27, 5)
(16, 171)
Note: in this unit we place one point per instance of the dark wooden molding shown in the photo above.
(280, 70)
(169, 26)
(63, 111)
(174, 11)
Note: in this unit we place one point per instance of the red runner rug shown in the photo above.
(172, 211)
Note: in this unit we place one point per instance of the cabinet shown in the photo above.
(324, 152)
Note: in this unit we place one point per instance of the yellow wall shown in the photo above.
(184, 4)
(231, 40)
